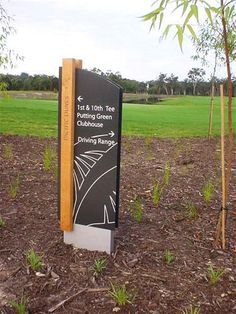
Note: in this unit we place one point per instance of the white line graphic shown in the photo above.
(75, 186)
(83, 160)
(78, 208)
(111, 134)
(113, 203)
(105, 219)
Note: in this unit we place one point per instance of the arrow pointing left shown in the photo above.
(80, 98)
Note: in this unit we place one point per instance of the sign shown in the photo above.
(96, 150)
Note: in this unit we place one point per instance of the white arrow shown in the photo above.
(111, 134)
(80, 98)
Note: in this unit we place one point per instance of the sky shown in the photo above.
(106, 34)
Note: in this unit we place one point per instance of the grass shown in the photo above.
(191, 211)
(2, 223)
(99, 266)
(28, 117)
(177, 117)
(214, 274)
(14, 186)
(166, 176)
(191, 310)
(49, 157)
(33, 260)
(137, 210)
(19, 307)
(121, 295)
(169, 257)
(156, 193)
(7, 151)
(208, 190)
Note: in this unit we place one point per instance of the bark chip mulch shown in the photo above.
(182, 224)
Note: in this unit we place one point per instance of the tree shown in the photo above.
(7, 55)
(162, 82)
(210, 41)
(172, 82)
(199, 10)
(195, 75)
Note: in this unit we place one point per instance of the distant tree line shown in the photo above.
(194, 84)
(25, 82)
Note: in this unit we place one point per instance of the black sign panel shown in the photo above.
(96, 151)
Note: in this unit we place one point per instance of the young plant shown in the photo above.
(2, 223)
(55, 170)
(150, 155)
(33, 260)
(207, 191)
(14, 186)
(19, 307)
(121, 295)
(191, 310)
(7, 151)
(166, 177)
(137, 210)
(156, 194)
(191, 211)
(214, 274)
(99, 266)
(48, 158)
(169, 257)
(148, 141)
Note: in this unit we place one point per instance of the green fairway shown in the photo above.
(179, 117)
(28, 117)
(176, 117)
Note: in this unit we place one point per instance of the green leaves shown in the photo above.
(194, 10)
(192, 32)
(208, 13)
(180, 34)
(189, 10)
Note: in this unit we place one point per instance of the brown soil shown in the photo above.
(138, 261)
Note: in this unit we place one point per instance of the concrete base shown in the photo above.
(90, 238)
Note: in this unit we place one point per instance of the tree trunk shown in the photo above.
(166, 89)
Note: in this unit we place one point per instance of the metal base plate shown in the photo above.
(90, 238)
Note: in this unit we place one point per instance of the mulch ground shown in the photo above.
(66, 283)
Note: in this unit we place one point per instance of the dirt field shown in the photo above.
(183, 222)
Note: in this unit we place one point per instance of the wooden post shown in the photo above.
(67, 142)
(223, 166)
(211, 107)
(220, 230)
